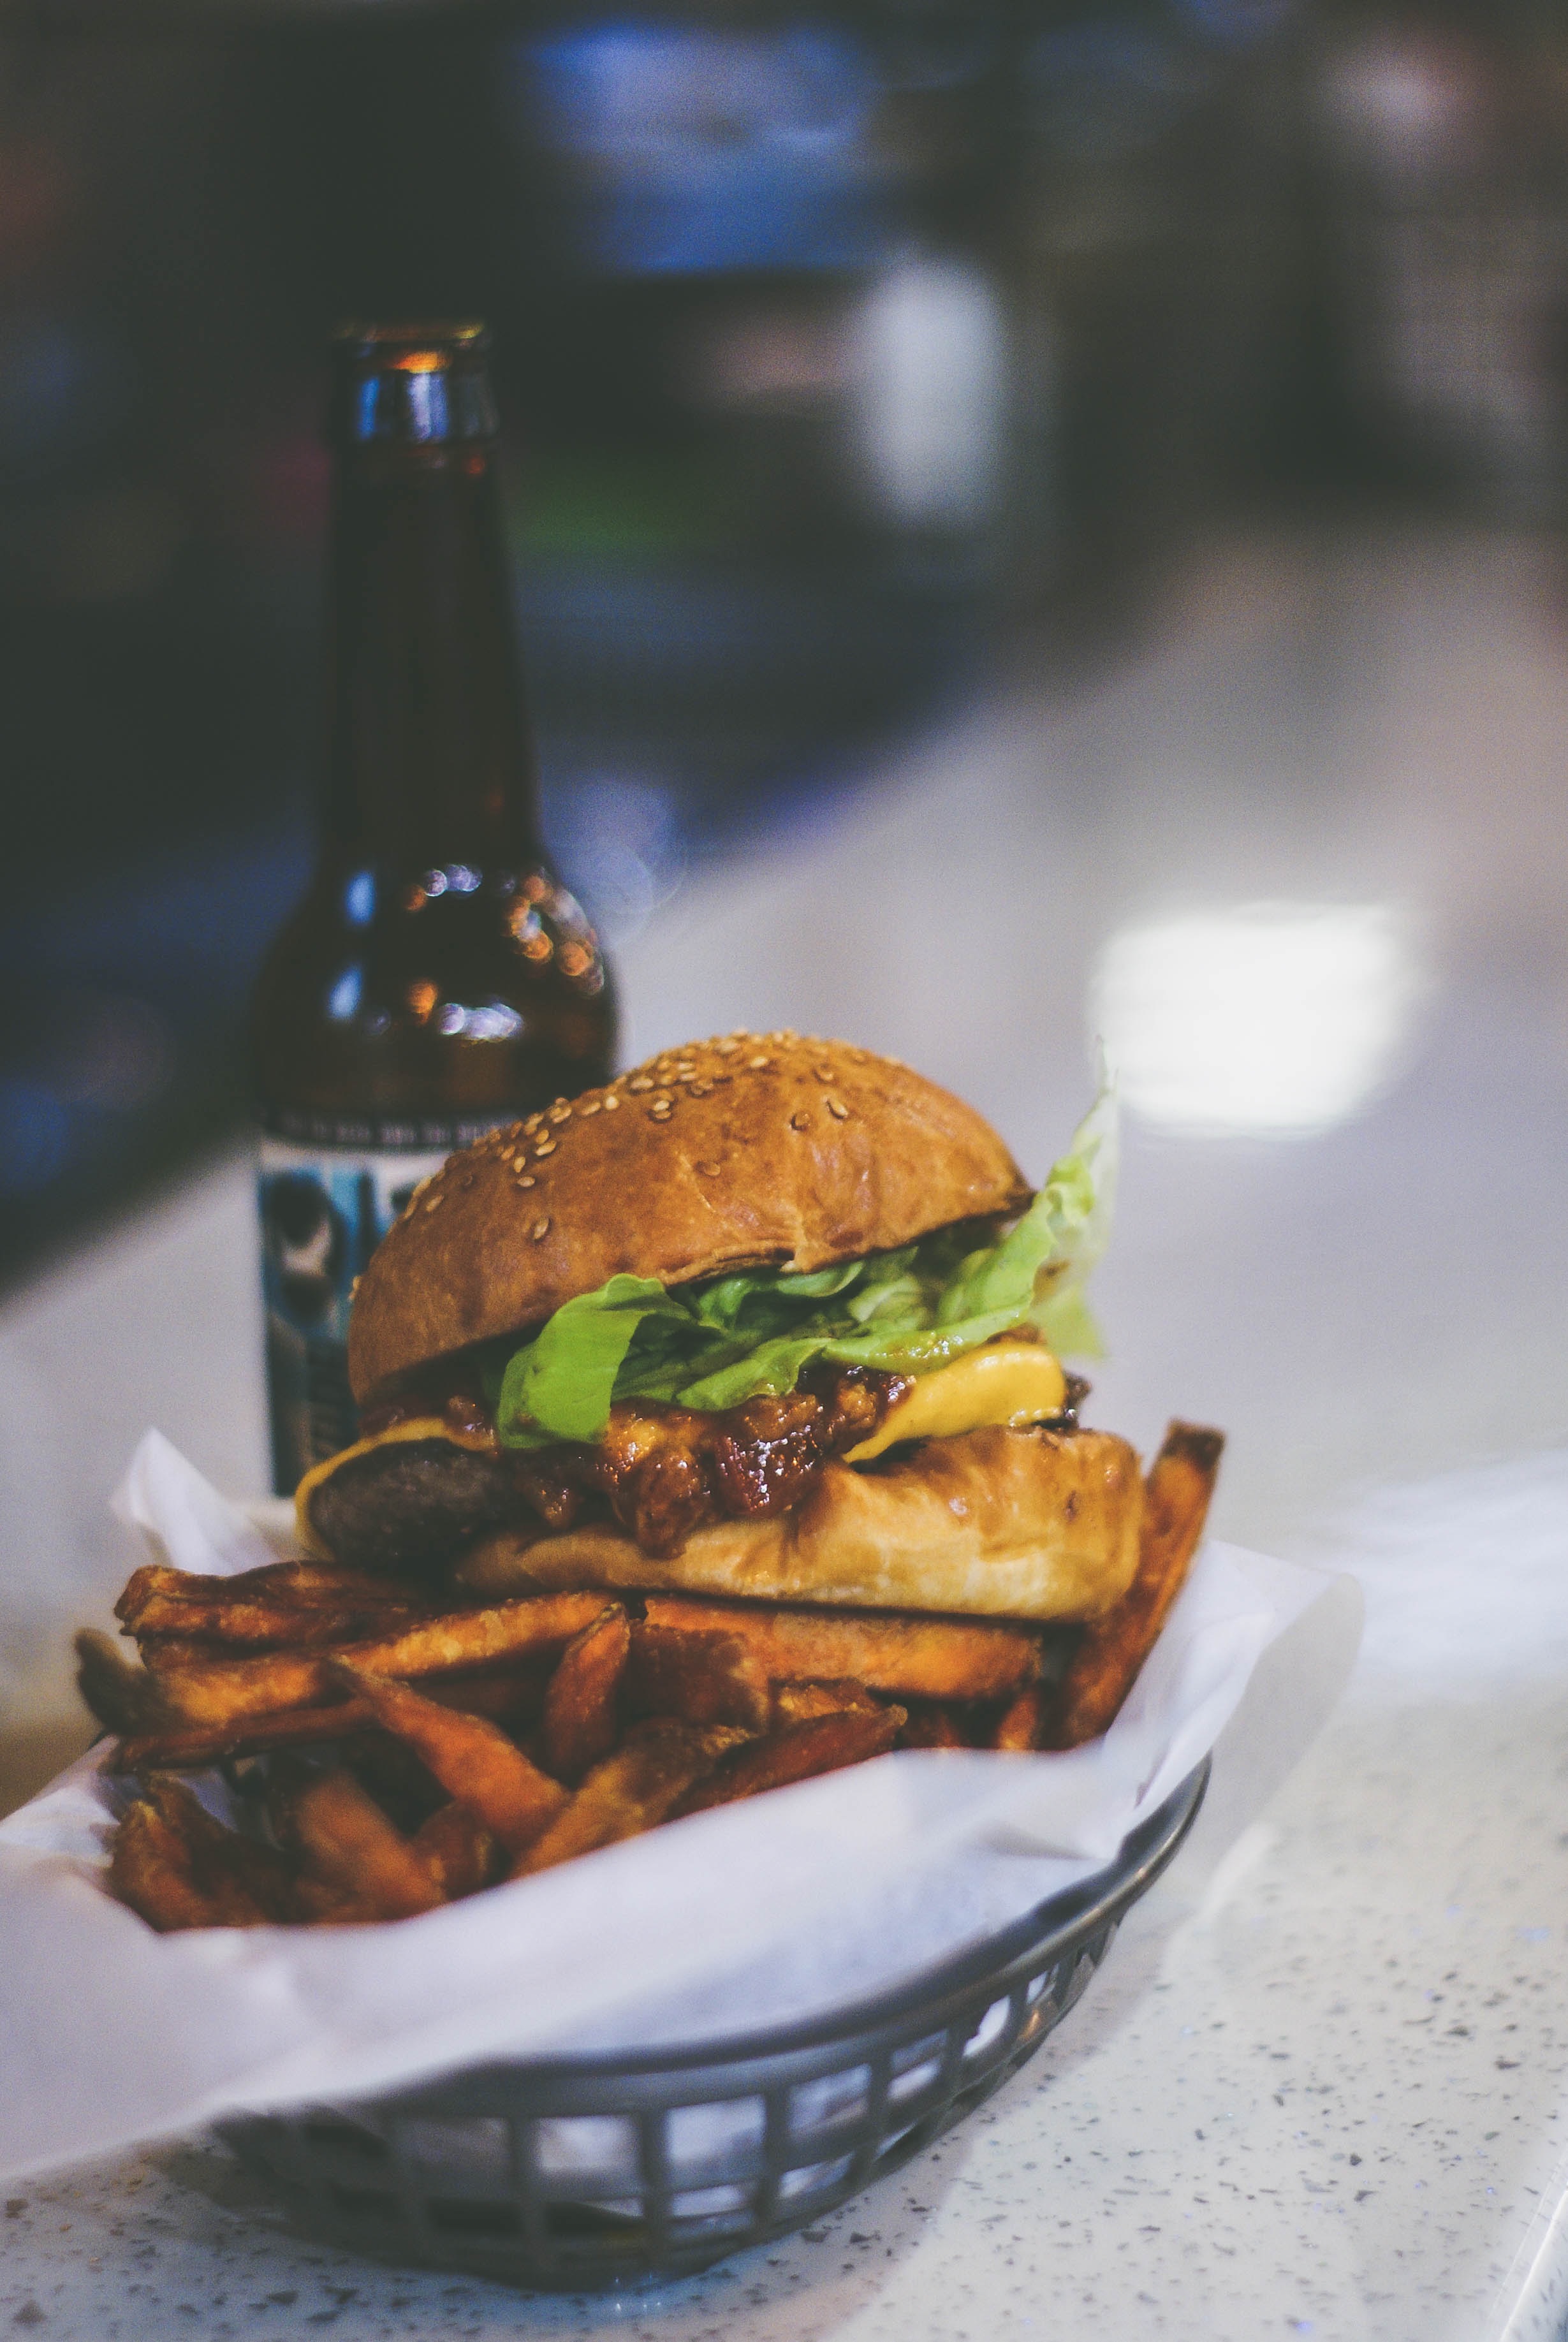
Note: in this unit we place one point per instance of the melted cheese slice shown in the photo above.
(1007, 1383)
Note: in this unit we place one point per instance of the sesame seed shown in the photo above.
(543, 1146)
(823, 1073)
(611, 1102)
(560, 1111)
(800, 1122)
(661, 1110)
(527, 1180)
(838, 1109)
(433, 1202)
(699, 1089)
(727, 1048)
(540, 1229)
(590, 1105)
(640, 1082)
(756, 1065)
(532, 1123)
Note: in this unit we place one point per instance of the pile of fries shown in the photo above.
(389, 1753)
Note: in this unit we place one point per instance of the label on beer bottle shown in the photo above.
(327, 1197)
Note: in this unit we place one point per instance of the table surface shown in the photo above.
(1321, 2088)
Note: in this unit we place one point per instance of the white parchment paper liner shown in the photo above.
(752, 1914)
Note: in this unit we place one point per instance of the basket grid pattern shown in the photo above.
(581, 2173)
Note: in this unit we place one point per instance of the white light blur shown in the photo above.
(1275, 1018)
(930, 364)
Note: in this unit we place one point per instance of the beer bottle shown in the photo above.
(437, 979)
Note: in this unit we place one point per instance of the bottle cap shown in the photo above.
(419, 384)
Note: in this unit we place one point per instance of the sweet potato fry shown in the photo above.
(632, 1791)
(793, 1703)
(927, 1658)
(221, 1691)
(471, 1757)
(456, 1849)
(1021, 1721)
(580, 1705)
(821, 1744)
(1175, 1506)
(152, 1870)
(186, 1748)
(344, 1839)
(511, 1694)
(702, 1677)
(273, 1625)
(318, 1905)
(164, 1654)
(179, 1867)
(933, 1724)
(123, 1697)
(294, 1582)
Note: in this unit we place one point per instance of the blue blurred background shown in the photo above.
(848, 358)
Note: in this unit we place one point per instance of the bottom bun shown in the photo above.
(998, 1524)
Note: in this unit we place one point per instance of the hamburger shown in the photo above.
(765, 1317)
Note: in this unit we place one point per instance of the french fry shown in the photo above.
(794, 1703)
(273, 1625)
(164, 1654)
(186, 1749)
(700, 1677)
(152, 1870)
(292, 1583)
(319, 1904)
(934, 1724)
(512, 1694)
(471, 1757)
(121, 1695)
(1175, 1506)
(580, 1703)
(456, 1849)
(180, 1868)
(1021, 1721)
(821, 1744)
(223, 1691)
(921, 1657)
(630, 1792)
(344, 1840)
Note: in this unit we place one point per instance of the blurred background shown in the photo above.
(1031, 521)
(846, 355)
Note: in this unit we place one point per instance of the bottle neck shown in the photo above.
(430, 761)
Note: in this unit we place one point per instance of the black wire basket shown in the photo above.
(578, 2173)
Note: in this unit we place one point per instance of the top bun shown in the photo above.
(754, 1151)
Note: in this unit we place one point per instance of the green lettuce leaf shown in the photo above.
(753, 1333)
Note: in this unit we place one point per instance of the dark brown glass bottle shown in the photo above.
(436, 979)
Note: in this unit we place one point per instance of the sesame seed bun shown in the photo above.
(752, 1151)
